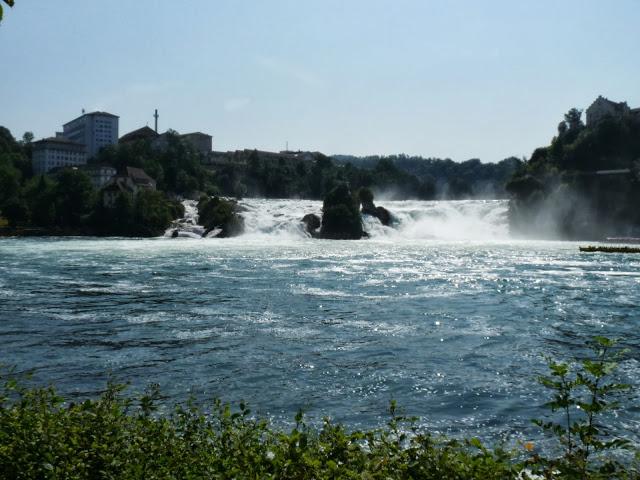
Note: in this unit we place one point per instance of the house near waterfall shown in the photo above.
(132, 181)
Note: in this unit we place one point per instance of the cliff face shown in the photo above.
(584, 185)
(578, 207)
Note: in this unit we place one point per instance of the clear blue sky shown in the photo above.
(458, 79)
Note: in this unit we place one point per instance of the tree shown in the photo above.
(573, 118)
(562, 128)
(151, 213)
(40, 194)
(74, 197)
(9, 182)
(16, 211)
(8, 2)
(27, 138)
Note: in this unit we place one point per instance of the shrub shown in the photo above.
(118, 436)
(585, 396)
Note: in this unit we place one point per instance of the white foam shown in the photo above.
(280, 221)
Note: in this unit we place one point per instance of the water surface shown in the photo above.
(445, 313)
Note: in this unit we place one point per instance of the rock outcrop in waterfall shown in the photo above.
(220, 217)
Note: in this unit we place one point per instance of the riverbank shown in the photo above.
(122, 436)
(116, 436)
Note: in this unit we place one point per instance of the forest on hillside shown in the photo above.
(584, 185)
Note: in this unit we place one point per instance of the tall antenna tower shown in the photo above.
(155, 115)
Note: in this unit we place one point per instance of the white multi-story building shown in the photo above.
(95, 130)
(55, 152)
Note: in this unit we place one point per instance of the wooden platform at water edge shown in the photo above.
(610, 249)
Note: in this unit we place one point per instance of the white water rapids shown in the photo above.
(413, 220)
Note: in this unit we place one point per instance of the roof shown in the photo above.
(117, 184)
(96, 166)
(91, 114)
(139, 176)
(196, 133)
(140, 133)
(58, 140)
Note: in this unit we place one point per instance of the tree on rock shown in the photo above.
(341, 218)
(218, 213)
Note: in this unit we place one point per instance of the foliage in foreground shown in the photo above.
(586, 397)
(117, 436)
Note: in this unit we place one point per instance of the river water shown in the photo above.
(443, 313)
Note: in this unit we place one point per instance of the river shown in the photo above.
(444, 313)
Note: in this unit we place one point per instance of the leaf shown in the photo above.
(604, 341)
(594, 368)
(475, 442)
(559, 369)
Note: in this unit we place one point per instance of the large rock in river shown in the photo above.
(311, 223)
(220, 214)
(341, 218)
(369, 208)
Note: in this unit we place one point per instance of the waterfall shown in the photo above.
(444, 220)
(413, 220)
(187, 226)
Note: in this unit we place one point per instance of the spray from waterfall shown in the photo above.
(413, 220)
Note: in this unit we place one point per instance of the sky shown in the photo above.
(455, 79)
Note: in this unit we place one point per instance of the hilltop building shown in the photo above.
(55, 152)
(132, 181)
(603, 108)
(202, 142)
(94, 130)
(144, 133)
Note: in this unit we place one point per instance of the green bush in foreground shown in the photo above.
(118, 437)
(585, 396)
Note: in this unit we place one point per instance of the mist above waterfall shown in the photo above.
(270, 220)
(445, 220)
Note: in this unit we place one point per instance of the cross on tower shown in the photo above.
(155, 115)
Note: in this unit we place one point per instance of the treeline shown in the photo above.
(66, 201)
(584, 185)
(262, 174)
(447, 179)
